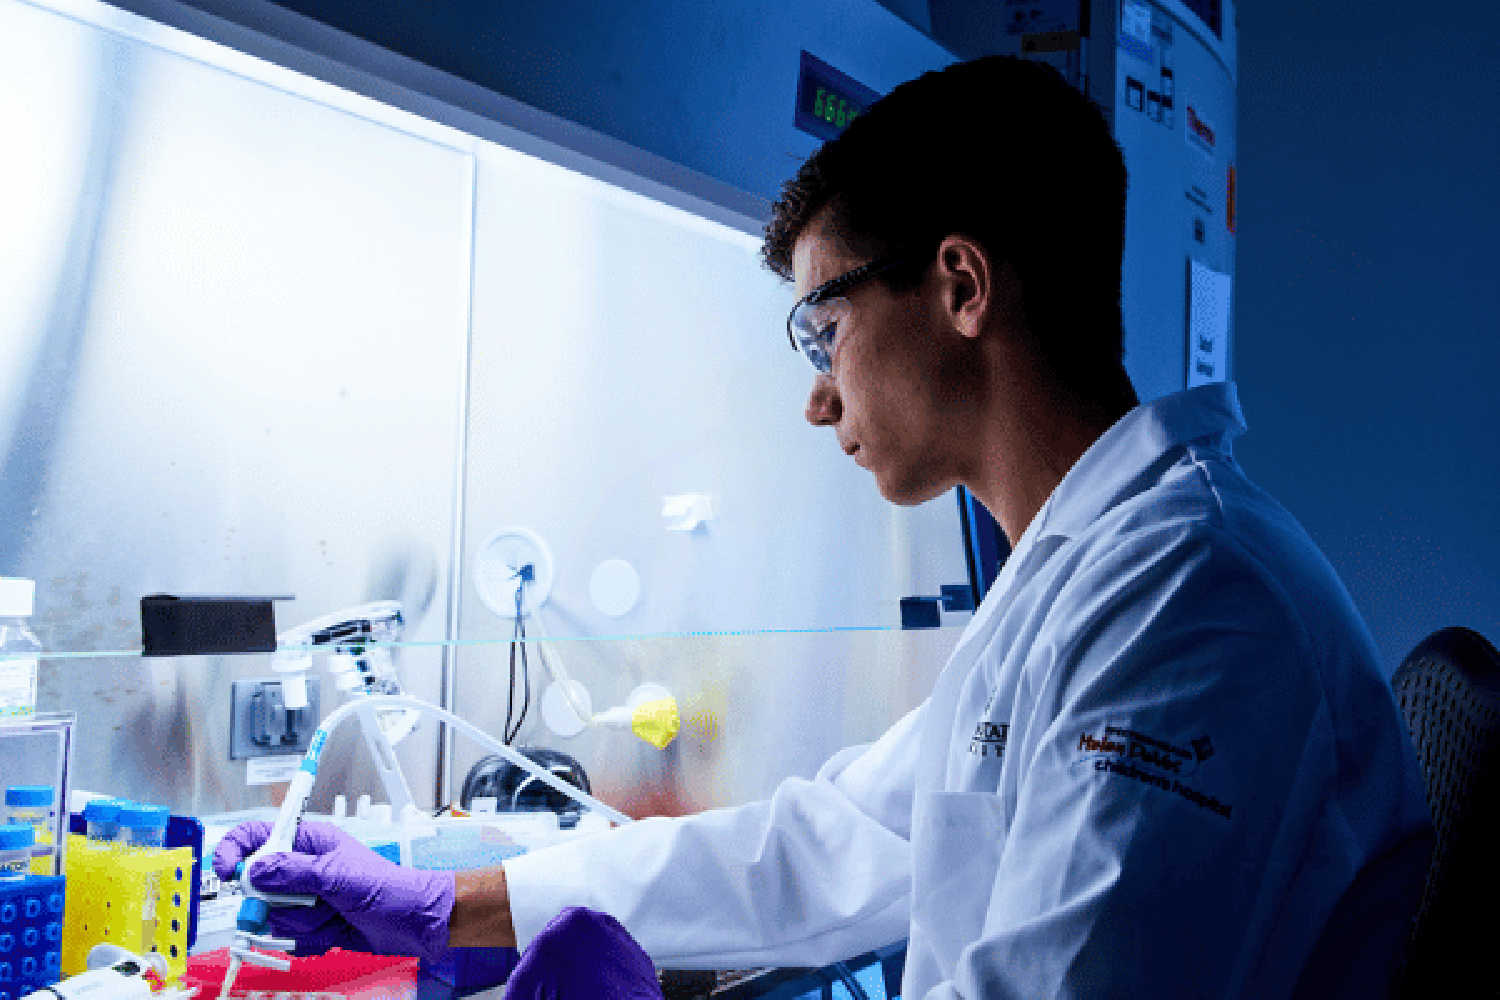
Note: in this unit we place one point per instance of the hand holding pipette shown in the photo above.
(393, 910)
(366, 903)
(362, 901)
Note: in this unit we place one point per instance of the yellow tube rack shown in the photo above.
(107, 902)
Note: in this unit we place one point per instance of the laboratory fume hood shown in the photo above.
(320, 299)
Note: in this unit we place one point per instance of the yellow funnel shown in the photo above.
(656, 722)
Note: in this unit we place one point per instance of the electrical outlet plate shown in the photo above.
(257, 728)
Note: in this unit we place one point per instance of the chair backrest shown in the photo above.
(1448, 688)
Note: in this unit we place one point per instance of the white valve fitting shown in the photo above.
(293, 668)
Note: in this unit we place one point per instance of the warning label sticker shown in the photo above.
(1201, 135)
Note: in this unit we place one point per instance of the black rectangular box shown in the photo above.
(195, 626)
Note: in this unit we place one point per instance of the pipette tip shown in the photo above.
(234, 970)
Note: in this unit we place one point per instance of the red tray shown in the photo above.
(350, 974)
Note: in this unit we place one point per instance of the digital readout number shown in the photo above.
(833, 109)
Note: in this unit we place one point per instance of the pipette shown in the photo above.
(112, 974)
(255, 911)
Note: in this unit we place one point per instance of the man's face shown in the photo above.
(888, 377)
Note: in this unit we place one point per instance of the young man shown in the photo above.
(1162, 760)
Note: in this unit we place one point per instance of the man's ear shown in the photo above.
(980, 289)
(968, 278)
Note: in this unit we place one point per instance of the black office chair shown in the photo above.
(1449, 692)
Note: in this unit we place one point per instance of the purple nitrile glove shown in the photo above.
(366, 903)
(584, 955)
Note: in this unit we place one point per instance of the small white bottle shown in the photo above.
(19, 649)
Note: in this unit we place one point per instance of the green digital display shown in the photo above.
(833, 108)
(827, 100)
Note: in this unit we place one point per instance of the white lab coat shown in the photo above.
(1153, 765)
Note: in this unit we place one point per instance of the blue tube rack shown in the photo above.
(31, 922)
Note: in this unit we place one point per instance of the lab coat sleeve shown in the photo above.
(818, 873)
(1124, 878)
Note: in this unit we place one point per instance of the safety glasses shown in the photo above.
(814, 321)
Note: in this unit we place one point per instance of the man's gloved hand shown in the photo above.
(366, 903)
(584, 955)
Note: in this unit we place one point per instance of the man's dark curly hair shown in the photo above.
(1000, 149)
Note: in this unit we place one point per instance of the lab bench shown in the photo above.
(878, 973)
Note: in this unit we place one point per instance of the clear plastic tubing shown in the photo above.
(15, 845)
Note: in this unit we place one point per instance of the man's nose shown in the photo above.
(823, 404)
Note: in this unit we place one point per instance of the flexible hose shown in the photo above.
(560, 675)
(377, 701)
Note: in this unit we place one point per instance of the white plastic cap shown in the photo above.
(293, 667)
(17, 597)
(294, 691)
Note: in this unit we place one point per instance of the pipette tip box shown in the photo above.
(336, 975)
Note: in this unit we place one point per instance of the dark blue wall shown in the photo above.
(1367, 295)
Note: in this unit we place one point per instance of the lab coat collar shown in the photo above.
(1111, 470)
(1108, 473)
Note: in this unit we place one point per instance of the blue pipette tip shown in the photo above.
(254, 915)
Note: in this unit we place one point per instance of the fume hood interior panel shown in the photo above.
(293, 314)
(272, 336)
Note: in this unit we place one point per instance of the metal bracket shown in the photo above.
(260, 724)
(922, 612)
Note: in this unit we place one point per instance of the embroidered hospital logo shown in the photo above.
(989, 740)
(1138, 747)
(1143, 758)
